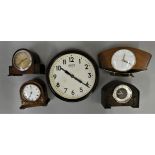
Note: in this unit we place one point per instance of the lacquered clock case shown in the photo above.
(142, 60)
(41, 101)
(109, 101)
(35, 68)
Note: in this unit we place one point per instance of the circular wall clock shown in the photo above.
(122, 93)
(123, 60)
(72, 75)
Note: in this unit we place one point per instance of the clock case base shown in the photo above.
(35, 68)
(42, 101)
(108, 101)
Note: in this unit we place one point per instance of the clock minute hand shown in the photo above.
(72, 76)
(123, 57)
(81, 82)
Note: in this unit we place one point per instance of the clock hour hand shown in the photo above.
(72, 76)
(127, 62)
(119, 93)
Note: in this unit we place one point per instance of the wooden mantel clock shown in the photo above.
(124, 61)
(25, 61)
(33, 93)
(118, 93)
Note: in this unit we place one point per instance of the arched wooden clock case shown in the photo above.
(41, 101)
(35, 68)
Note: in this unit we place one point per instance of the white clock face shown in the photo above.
(31, 92)
(123, 60)
(122, 93)
(72, 76)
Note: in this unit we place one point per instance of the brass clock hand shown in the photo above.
(120, 93)
(22, 61)
(72, 76)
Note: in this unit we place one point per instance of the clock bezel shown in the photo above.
(127, 98)
(74, 51)
(127, 69)
(13, 59)
(33, 83)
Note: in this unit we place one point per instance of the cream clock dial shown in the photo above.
(31, 92)
(123, 60)
(72, 75)
(122, 94)
(22, 60)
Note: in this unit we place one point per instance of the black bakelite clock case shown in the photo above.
(108, 101)
(74, 51)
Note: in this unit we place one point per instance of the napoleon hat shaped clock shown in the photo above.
(72, 75)
(124, 60)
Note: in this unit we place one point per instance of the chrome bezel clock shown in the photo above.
(123, 60)
(72, 75)
(128, 94)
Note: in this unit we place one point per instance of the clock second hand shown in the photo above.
(72, 76)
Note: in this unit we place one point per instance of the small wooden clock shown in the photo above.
(33, 93)
(25, 61)
(123, 61)
(118, 93)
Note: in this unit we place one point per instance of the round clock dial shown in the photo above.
(22, 60)
(123, 60)
(72, 75)
(31, 92)
(122, 94)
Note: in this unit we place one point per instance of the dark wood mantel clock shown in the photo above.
(118, 93)
(33, 93)
(25, 61)
(124, 61)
